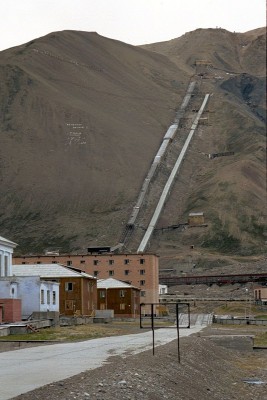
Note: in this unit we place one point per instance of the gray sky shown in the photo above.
(131, 21)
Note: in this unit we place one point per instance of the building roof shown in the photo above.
(47, 271)
(112, 283)
(7, 242)
(194, 214)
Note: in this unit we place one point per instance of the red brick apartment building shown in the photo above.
(139, 270)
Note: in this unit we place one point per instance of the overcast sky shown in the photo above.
(131, 21)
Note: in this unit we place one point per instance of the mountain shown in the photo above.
(82, 117)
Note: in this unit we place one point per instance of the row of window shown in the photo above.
(126, 261)
(48, 297)
(95, 262)
(103, 306)
(69, 286)
(102, 293)
(126, 272)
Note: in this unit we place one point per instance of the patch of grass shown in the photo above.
(75, 333)
(261, 316)
(261, 339)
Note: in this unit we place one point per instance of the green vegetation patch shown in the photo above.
(71, 333)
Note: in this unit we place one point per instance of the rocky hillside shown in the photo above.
(82, 117)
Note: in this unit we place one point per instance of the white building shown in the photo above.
(35, 294)
(6, 251)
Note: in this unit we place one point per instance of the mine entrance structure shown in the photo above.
(203, 67)
(169, 136)
(167, 315)
(170, 181)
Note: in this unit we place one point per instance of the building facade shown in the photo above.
(122, 298)
(139, 270)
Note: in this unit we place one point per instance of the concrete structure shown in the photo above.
(163, 289)
(196, 218)
(77, 290)
(6, 250)
(35, 294)
(119, 296)
(139, 270)
(260, 294)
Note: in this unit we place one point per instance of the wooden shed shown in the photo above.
(119, 296)
(196, 218)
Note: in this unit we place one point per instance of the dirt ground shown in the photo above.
(212, 367)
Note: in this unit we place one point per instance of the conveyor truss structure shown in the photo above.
(167, 139)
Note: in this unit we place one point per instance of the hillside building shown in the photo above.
(196, 218)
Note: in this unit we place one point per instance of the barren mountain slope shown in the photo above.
(229, 51)
(231, 191)
(81, 119)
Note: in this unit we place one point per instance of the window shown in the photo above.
(6, 266)
(96, 262)
(142, 260)
(48, 296)
(142, 271)
(126, 272)
(82, 262)
(126, 261)
(54, 262)
(69, 263)
(142, 283)
(111, 273)
(54, 297)
(23, 262)
(38, 262)
(68, 286)
(143, 293)
(42, 296)
(122, 306)
(102, 294)
(96, 273)
(111, 262)
(122, 293)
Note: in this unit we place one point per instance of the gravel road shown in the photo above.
(209, 369)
